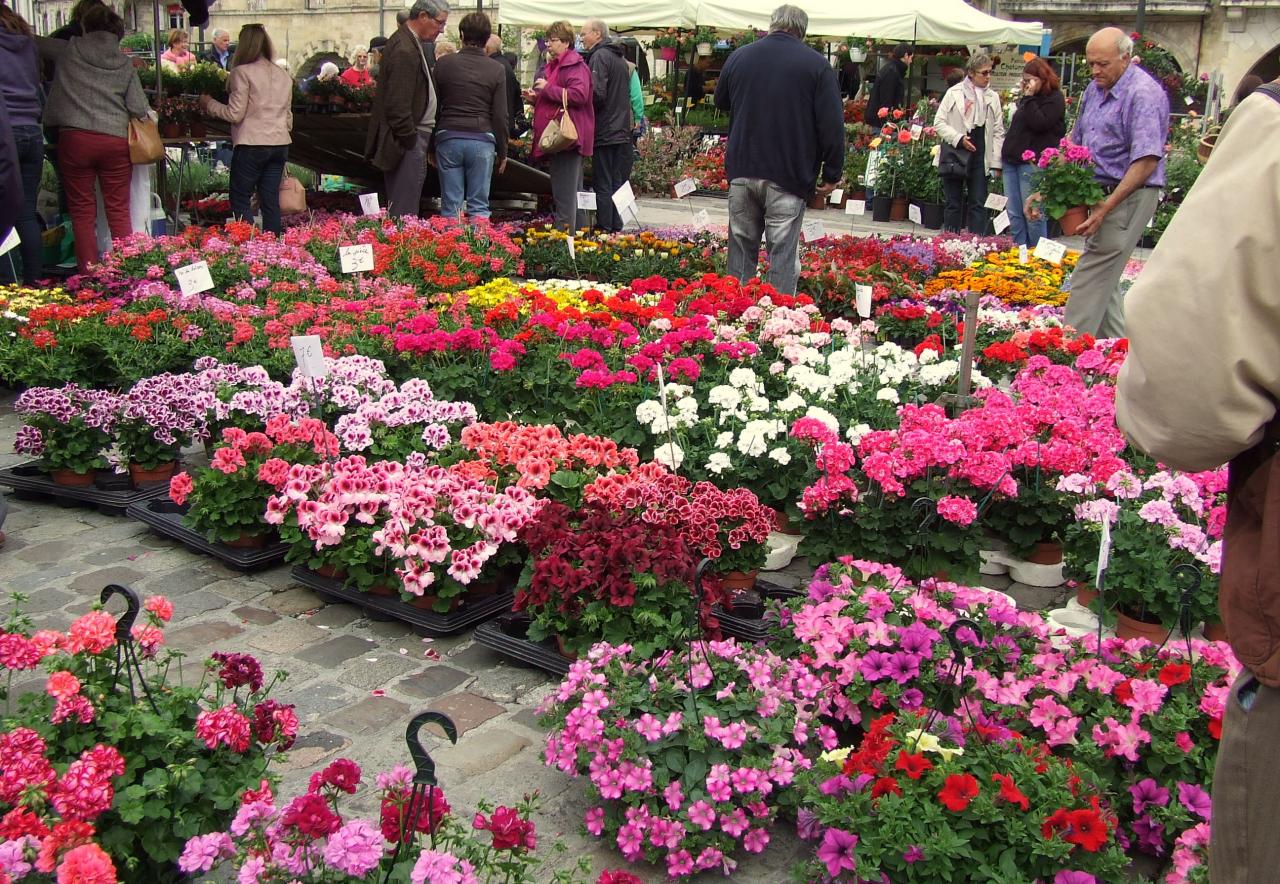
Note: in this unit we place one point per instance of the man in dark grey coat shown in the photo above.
(613, 155)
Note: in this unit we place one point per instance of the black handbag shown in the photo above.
(953, 162)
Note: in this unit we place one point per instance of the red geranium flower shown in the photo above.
(1215, 728)
(959, 790)
(914, 766)
(1175, 673)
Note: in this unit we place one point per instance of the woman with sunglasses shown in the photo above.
(970, 119)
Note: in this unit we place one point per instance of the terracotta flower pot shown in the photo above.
(337, 572)
(383, 589)
(428, 602)
(72, 478)
(246, 540)
(1072, 220)
(483, 588)
(1215, 631)
(560, 648)
(898, 209)
(144, 476)
(170, 130)
(788, 527)
(199, 130)
(738, 581)
(1046, 552)
(817, 201)
(1128, 627)
(1085, 594)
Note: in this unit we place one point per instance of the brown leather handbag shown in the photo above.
(145, 146)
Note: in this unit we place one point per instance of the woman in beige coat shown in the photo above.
(970, 118)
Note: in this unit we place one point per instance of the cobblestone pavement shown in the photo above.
(336, 660)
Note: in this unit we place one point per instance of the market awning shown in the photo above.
(614, 13)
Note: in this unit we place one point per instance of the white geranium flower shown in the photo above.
(669, 454)
(744, 378)
(649, 412)
(928, 355)
(781, 456)
(888, 394)
(776, 368)
(825, 416)
(793, 402)
(724, 396)
(719, 463)
(855, 433)
(725, 439)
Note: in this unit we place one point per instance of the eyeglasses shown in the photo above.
(442, 20)
(985, 73)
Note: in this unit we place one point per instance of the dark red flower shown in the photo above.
(1175, 673)
(311, 815)
(885, 786)
(617, 876)
(343, 774)
(1087, 829)
(395, 816)
(958, 791)
(509, 829)
(1215, 728)
(238, 670)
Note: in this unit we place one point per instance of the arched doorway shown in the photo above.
(311, 66)
(1268, 67)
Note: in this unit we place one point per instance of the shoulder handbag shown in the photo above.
(953, 162)
(145, 146)
(561, 134)
(293, 197)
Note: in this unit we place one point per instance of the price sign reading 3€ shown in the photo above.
(194, 278)
(356, 259)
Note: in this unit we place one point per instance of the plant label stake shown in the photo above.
(862, 298)
(369, 204)
(309, 354)
(1022, 255)
(1001, 222)
(996, 201)
(701, 220)
(1051, 251)
(10, 242)
(855, 207)
(913, 214)
(812, 231)
(356, 259)
(835, 196)
(684, 187)
(424, 777)
(126, 650)
(194, 278)
(624, 199)
(587, 200)
(962, 399)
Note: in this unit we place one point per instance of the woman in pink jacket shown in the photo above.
(567, 77)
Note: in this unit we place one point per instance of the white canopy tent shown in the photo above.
(912, 21)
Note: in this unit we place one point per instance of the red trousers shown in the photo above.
(83, 158)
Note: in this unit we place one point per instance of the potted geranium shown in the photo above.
(687, 756)
(68, 428)
(158, 416)
(666, 42)
(403, 421)
(1065, 183)
(925, 798)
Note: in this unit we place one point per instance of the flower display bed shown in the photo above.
(423, 622)
(110, 493)
(506, 636)
(754, 629)
(165, 518)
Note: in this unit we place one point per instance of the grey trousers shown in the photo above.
(1243, 848)
(1096, 306)
(566, 181)
(759, 207)
(404, 182)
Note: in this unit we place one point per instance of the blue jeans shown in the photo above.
(260, 168)
(466, 168)
(756, 207)
(1017, 187)
(29, 141)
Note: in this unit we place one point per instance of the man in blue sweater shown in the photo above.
(786, 126)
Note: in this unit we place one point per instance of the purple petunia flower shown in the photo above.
(807, 824)
(1069, 877)
(1147, 793)
(875, 666)
(1150, 835)
(837, 851)
(903, 667)
(1196, 800)
(913, 855)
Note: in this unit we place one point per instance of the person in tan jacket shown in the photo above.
(1200, 388)
(259, 108)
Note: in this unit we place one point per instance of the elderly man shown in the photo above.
(1124, 121)
(613, 155)
(404, 108)
(786, 127)
(517, 125)
(219, 51)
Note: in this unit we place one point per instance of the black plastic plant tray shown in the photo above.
(754, 629)
(542, 655)
(165, 519)
(712, 194)
(111, 493)
(423, 621)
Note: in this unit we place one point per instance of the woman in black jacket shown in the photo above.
(1039, 122)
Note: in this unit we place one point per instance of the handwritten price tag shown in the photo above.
(701, 219)
(913, 214)
(369, 204)
(855, 207)
(685, 187)
(836, 196)
(10, 242)
(1051, 251)
(573, 254)
(996, 201)
(356, 259)
(309, 354)
(1001, 222)
(587, 200)
(1022, 254)
(916, 131)
(194, 278)
(862, 299)
(812, 231)
(624, 197)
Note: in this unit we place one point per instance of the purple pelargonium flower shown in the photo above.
(1069, 877)
(1196, 800)
(913, 854)
(837, 851)
(1147, 793)
(1150, 835)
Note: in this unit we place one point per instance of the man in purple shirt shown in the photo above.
(1124, 121)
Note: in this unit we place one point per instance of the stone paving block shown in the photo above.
(528, 717)
(475, 657)
(308, 757)
(240, 589)
(50, 551)
(193, 603)
(317, 697)
(481, 754)
(277, 578)
(333, 652)
(1036, 598)
(94, 581)
(505, 682)
(125, 552)
(46, 599)
(433, 682)
(198, 635)
(380, 675)
(256, 616)
(467, 711)
(392, 629)
(177, 582)
(336, 615)
(293, 601)
(285, 637)
(370, 715)
(53, 576)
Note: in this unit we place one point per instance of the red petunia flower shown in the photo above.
(1175, 673)
(914, 766)
(958, 791)
(885, 786)
(1010, 792)
(1087, 829)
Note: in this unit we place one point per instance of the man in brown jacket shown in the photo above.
(1200, 388)
(404, 107)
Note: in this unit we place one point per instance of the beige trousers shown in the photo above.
(1096, 306)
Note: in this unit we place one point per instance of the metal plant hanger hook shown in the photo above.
(424, 777)
(1193, 578)
(126, 649)
(926, 510)
(952, 678)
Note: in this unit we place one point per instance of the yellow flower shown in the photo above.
(837, 755)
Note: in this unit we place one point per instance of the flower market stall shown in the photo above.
(592, 457)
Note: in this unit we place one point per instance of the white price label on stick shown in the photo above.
(356, 259)
(309, 354)
(1104, 550)
(10, 242)
(685, 187)
(836, 196)
(624, 197)
(862, 299)
(812, 231)
(855, 207)
(1051, 251)
(1022, 254)
(1000, 222)
(996, 201)
(916, 131)
(587, 200)
(573, 253)
(701, 220)
(369, 204)
(913, 214)
(194, 278)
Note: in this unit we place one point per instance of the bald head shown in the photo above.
(1108, 52)
(493, 45)
(593, 31)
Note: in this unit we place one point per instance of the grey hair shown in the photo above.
(1124, 43)
(219, 32)
(977, 62)
(791, 19)
(429, 8)
(598, 26)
